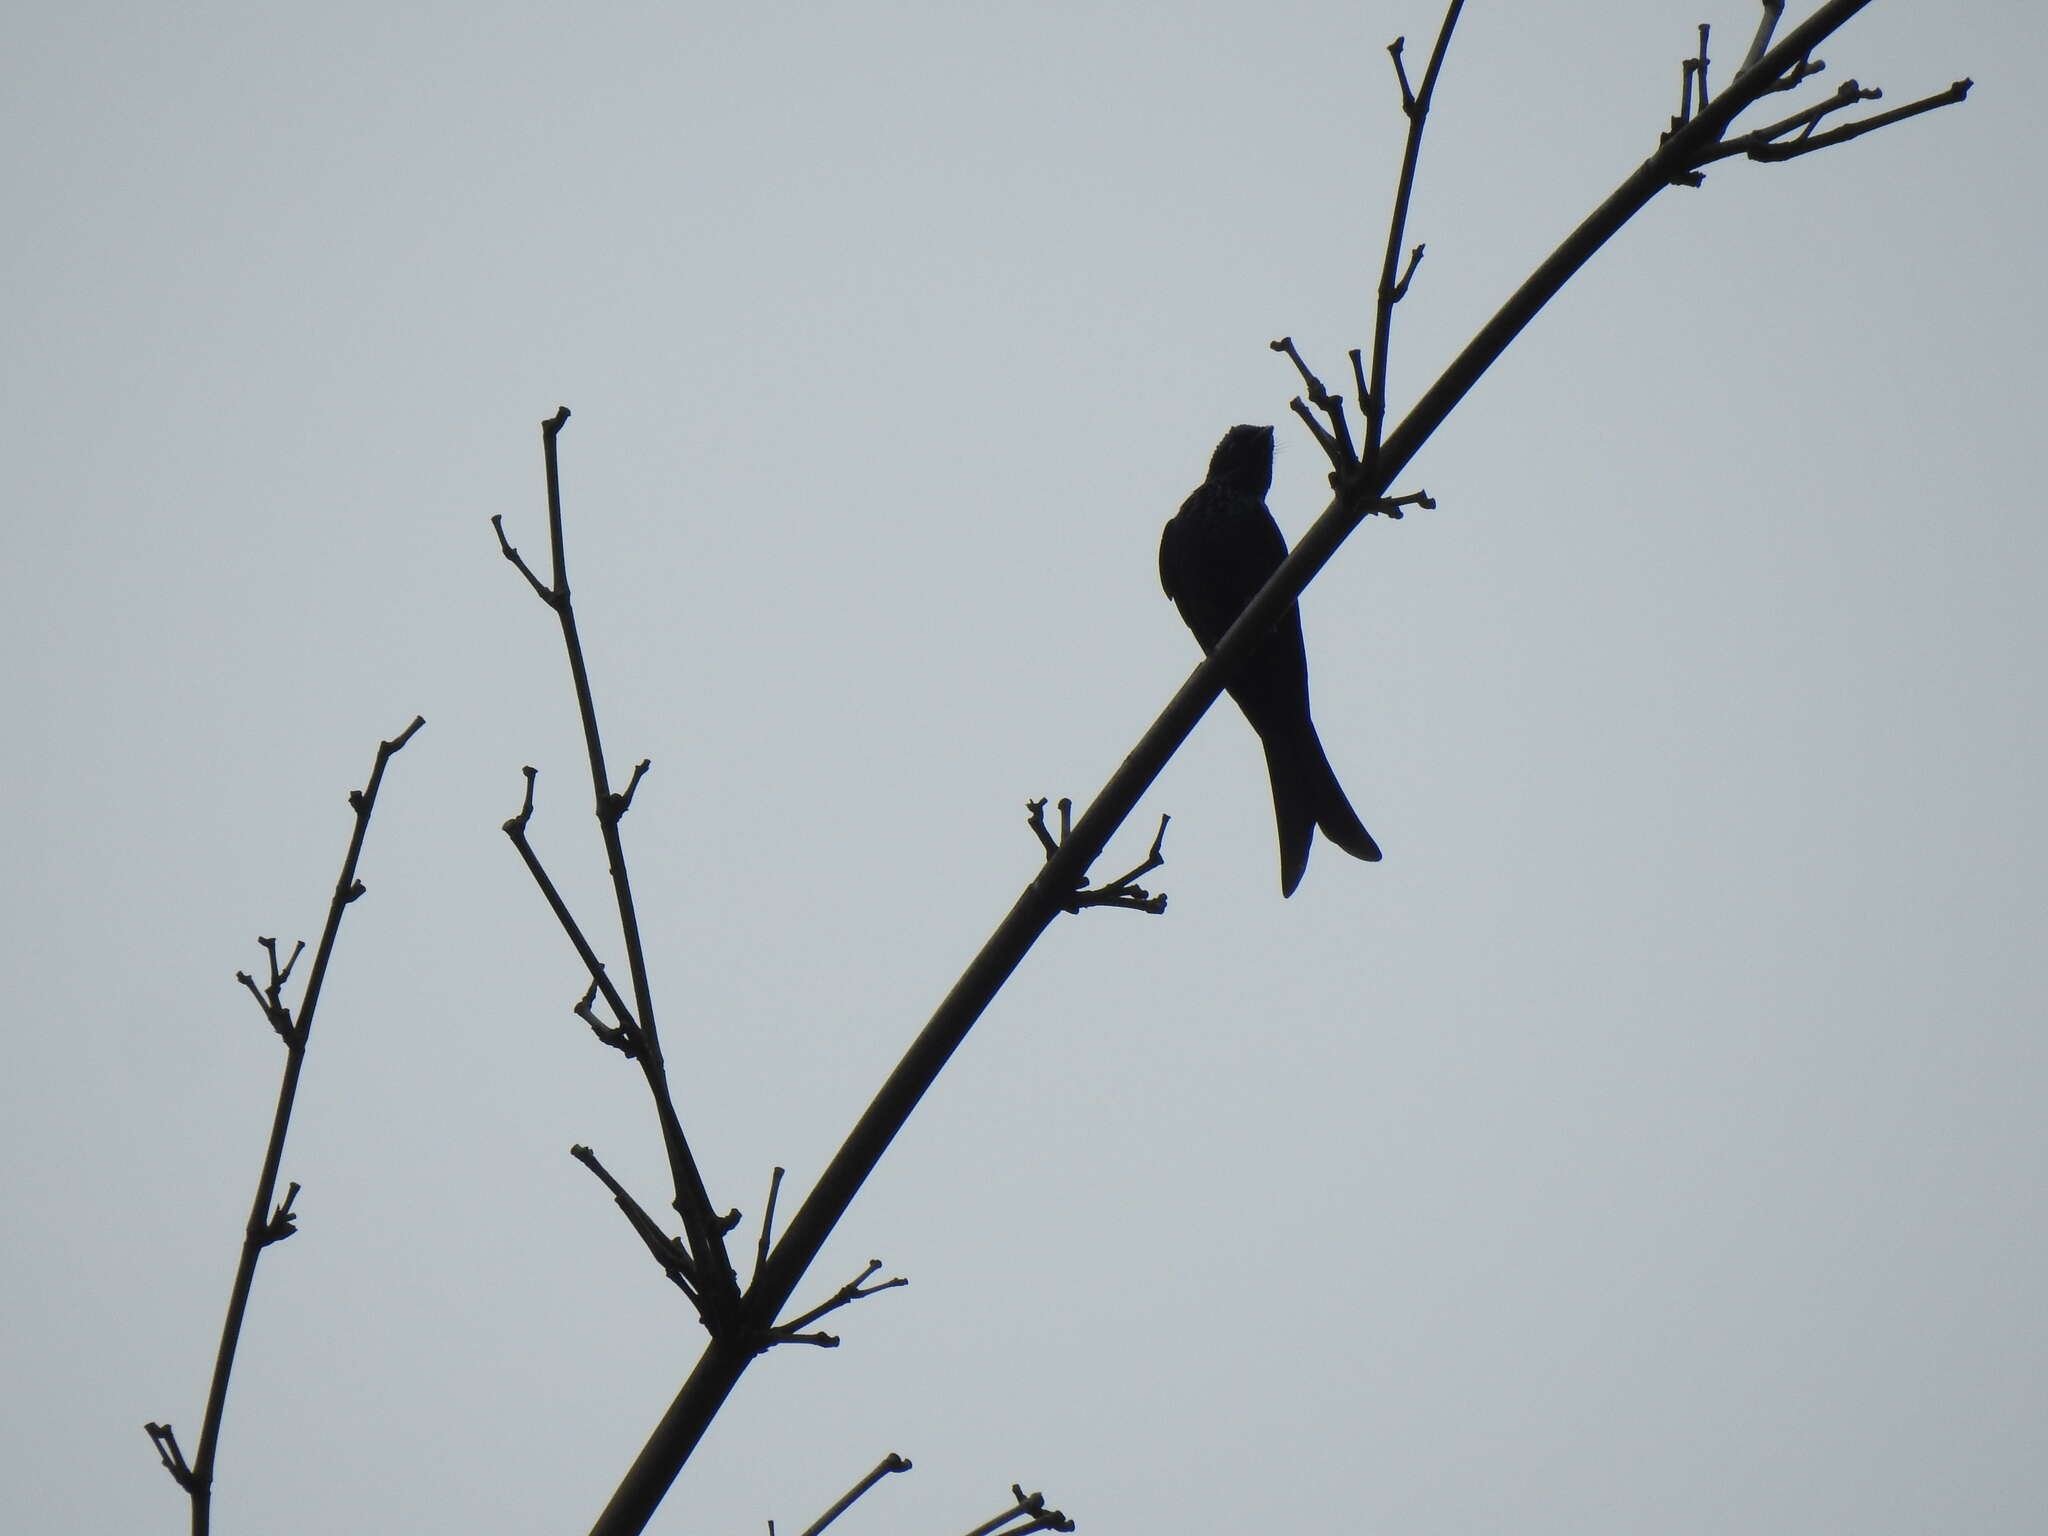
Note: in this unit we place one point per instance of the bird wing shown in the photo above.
(1214, 555)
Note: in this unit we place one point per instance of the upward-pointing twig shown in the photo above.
(716, 1286)
(267, 1225)
(1393, 284)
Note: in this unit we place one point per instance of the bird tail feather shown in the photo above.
(1294, 808)
(1334, 815)
(1306, 795)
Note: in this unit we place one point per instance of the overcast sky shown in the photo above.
(1654, 1142)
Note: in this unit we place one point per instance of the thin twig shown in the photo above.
(1029, 1506)
(883, 1468)
(669, 1252)
(767, 1221)
(1766, 24)
(704, 1230)
(1807, 145)
(1415, 105)
(600, 978)
(1336, 442)
(1120, 892)
(269, 1224)
(791, 1331)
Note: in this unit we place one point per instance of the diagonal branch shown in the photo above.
(1030, 1509)
(669, 1253)
(1808, 143)
(883, 1468)
(1064, 871)
(268, 1224)
(854, 1290)
(1392, 288)
(626, 1036)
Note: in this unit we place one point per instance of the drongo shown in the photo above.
(1216, 552)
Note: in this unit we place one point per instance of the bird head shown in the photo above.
(1243, 461)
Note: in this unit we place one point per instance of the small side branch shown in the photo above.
(854, 1290)
(687, 1418)
(1393, 284)
(270, 1223)
(767, 1222)
(1809, 141)
(1766, 24)
(668, 1252)
(1692, 79)
(622, 1035)
(889, 1464)
(1124, 891)
(1390, 506)
(1703, 121)
(165, 1439)
(1336, 442)
(282, 1223)
(271, 997)
(1027, 1514)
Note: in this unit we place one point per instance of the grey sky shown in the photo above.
(1653, 1142)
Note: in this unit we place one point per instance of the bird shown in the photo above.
(1214, 555)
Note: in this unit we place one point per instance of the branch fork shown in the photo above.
(707, 1275)
(854, 1290)
(1124, 891)
(271, 997)
(1764, 72)
(1030, 1510)
(268, 1224)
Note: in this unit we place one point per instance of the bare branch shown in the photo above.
(282, 1223)
(625, 1036)
(883, 1468)
(620, 1037)
(1038, 827)
(767, 1222)
(1030, 1507)
(278, 977)
(275, 1012)
(541, 589)
(617, 805)
(1120, 892)
(1847, 94)
(1401, 73)
(165, 1439)
(1372, 391)
(1336, 442)
(670, 1253)
(703, 1229)
(1408, 273)
(1766, 24)
(852, 1291)
(1804, 146)
(269, 1224)
(1051, 891)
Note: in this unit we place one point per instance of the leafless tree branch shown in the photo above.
(1361, 490)
(717, 1287)
(269, 1224)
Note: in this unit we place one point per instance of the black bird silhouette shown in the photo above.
(1214, 555)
